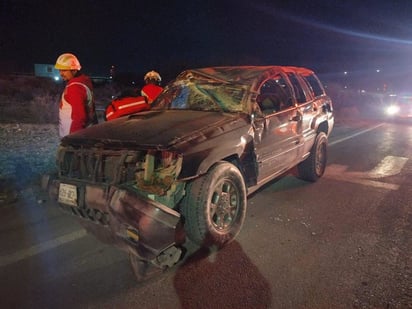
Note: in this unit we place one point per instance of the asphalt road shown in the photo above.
(343, 242)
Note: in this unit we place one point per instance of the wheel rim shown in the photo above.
(224, 205)
(320, 159)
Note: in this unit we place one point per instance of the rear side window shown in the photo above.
(315, 85)
(299, 93)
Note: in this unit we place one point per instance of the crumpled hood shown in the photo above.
(157, 129)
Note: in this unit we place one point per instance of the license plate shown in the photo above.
(68, 194)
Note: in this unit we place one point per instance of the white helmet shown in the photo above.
(67, 62)
(152, 76)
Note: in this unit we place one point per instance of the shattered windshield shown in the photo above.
(202, 96)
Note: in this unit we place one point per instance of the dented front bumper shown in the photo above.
(121, 217)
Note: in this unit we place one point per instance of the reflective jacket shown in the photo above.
(151, 91)
(77, 108)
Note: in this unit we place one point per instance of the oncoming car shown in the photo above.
(181, 171)
(400, 107)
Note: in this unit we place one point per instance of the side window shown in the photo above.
(299, 93)
(274, 96)
(315, 85)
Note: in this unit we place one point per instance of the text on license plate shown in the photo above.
(68, 194)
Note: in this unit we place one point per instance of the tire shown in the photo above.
(314, 166)
(214, 207)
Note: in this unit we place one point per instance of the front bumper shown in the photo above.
(121, 217)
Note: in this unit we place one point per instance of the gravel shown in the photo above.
(27, 152)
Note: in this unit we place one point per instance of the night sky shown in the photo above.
(168, 36)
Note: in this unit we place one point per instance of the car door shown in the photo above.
(277, 148)
(306, 105)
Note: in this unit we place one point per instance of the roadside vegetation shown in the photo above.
(30, 99)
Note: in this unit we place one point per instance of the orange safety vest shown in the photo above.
(126, 106)
(76, 110)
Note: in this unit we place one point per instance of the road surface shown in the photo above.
(343, 242)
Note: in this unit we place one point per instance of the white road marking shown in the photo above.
(37, 249)
(389, 166)
(348, 177)
(355, 134)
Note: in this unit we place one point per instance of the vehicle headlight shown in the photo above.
(392, 110)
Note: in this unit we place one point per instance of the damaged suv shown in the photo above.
(151, 181)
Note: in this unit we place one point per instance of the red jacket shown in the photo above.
(77, 108)
(151, 91)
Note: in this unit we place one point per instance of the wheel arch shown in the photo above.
(323, 127)
(244, 158)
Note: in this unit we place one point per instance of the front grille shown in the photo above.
(98, 165)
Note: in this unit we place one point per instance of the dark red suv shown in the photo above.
(147, 182)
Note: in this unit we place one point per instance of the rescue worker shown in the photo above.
(77, 108)
(152, 87)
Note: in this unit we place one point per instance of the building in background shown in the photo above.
(46, 70)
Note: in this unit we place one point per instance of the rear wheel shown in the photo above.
(314, 166)
(215, 206)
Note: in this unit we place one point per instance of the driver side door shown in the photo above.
(278, 148)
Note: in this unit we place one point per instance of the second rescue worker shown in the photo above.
(152, 87)
(77, 108)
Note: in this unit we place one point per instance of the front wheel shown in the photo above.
(314, 166)
(215, 206)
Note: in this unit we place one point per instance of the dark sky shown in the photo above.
(136, 36)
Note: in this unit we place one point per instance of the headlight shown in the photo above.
(392, 110)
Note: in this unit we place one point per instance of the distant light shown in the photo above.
(377, 70)
(56, 78)
(346, 73)
(363, 91)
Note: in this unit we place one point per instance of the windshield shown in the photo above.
(201, 96)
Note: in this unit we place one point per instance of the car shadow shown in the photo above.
(225, 278)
